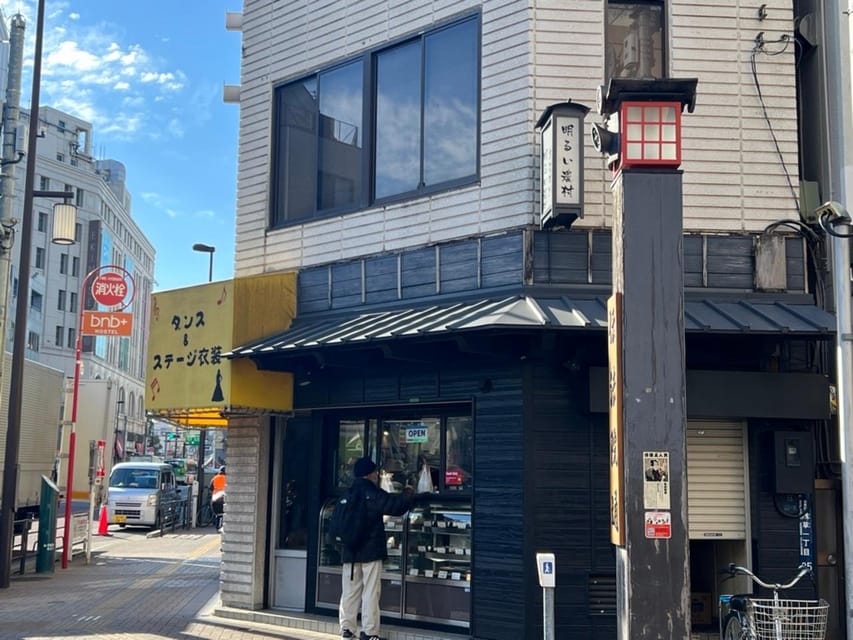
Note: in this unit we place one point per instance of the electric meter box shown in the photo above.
(794, 462)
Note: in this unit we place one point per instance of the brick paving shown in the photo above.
(135, 588)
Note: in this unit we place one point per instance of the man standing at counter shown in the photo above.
(362, 560)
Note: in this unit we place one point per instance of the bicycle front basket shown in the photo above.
(797, 619)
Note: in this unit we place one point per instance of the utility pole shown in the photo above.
(646, 354)
(13, 433)
(10, 156)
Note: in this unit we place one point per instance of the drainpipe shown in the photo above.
(836, 65)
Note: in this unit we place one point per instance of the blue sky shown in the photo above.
(148, 76)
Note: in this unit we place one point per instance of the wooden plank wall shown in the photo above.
(567, 494)
(497, 263)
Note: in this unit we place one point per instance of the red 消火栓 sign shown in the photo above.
(110, 288)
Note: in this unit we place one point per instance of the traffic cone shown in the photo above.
(102, 522)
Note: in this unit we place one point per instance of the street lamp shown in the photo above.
(13, 431)
(203, 248)
(206, 248)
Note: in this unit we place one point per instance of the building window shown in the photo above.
(60, 300)
(63, 263)
(75, 266)
(633, 40)
(36, 300)
(44, 183)
(78, 233)
(60, 335)
(61, 125)
(433, 450)
(72, 336)
(408, 125)
(60, 157)
(32, 341)
(78, 198)
(39, 258)
(42, 221)
(72, 302)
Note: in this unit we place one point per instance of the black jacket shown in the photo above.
(377, 503)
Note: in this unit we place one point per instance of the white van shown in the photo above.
(136, 491)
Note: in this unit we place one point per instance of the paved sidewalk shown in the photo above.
(135, 588)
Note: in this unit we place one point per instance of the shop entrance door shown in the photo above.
(290, 513)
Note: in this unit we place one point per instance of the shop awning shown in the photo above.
(773, 316)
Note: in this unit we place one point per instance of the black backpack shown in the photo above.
(348, 525)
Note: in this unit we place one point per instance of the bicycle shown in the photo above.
(206, 517)
(750, 618)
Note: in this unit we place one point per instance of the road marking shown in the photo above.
(150, 581)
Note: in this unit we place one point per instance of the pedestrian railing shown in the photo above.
(175, 514)
(24, 543)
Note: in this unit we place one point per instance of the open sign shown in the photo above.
(417, 434)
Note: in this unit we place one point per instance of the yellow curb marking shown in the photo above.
(149, 581)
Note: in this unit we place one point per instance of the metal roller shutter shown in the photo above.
(717, 480)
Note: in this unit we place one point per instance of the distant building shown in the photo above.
(106, 234)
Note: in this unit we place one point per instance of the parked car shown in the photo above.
(137, 492)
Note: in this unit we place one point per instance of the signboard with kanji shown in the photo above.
(111, 288)
(190, 330)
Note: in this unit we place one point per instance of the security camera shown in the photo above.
(832, 210)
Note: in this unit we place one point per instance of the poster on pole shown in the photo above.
(656, 480)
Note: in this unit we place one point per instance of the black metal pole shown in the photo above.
(13, 432)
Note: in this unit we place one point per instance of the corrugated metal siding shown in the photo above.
(285, 39)
(731, 183)
(716, 473)
(735, 182)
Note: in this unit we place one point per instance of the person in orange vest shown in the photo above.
(217, 496)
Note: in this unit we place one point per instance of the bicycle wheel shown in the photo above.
(205, 517)
(733, 628)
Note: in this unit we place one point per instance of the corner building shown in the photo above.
(388, 154)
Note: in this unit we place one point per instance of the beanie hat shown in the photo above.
(363, 467)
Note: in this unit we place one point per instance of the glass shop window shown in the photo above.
(353, 443)
(410, 455)
(433, 454)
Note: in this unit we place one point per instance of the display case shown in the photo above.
(329, 569)
(427, 575)
(438, 563)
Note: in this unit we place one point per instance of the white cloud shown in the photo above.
(92, 70)
(68, 54)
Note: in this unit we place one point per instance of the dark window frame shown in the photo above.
(276, 220)
(664, 34)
